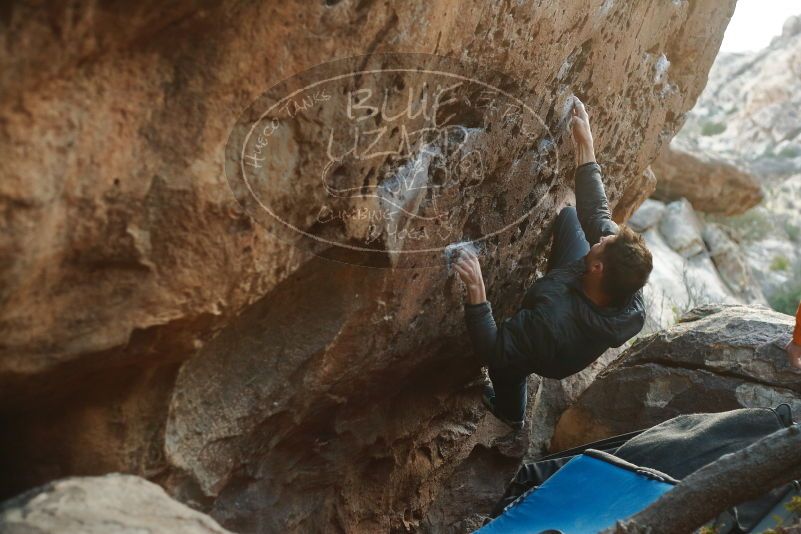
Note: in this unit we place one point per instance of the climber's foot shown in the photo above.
(488, 398)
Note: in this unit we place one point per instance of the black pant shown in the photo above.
(508, 380)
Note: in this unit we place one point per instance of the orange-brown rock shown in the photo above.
(634, 196)
(710, 184)
(150, 326)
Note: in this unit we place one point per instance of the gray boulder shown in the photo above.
(110, 504)
(717, 358)
(677, 284)
(704, 283)
(681, 228)
(731, 264)
(647, 215)
(666, 296)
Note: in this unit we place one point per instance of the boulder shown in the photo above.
(153, 324)
(718, 358)
(677, 284)
(748, 113)
(109, 504)
(712, 185)
(666, 295)
(731, 264)
(775, 264)
(704, 284)
(647, 215)
(681, 228)
(635, 195)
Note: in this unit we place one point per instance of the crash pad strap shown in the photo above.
(620, 462)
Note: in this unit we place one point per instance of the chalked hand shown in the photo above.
(582, 135)
(580, 124)
(469, 270)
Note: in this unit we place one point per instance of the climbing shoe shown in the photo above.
(488, 398)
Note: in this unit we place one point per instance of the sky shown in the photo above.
(756, 22)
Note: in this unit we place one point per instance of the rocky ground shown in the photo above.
(695, 263)
(719, 357)
(749, 111)
(101, 505)
(770, 237)
(749, 118)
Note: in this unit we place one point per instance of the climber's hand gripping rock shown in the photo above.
(469, 271)
(582, 136)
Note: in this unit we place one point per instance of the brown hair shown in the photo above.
(627, 264)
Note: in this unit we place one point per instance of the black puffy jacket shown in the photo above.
(559, 331)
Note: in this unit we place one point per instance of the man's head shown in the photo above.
(621, 263)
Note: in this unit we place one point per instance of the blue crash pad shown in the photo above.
(588, 494)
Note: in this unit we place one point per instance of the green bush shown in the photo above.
(789, 152)
(780, 263)
(752, 225)
(793, 232)
(786, 300)
(712, 128)
(794, 507)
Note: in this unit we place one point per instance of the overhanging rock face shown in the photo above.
(151, 326)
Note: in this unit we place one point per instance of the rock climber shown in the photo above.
(590, 298)
(794, 346)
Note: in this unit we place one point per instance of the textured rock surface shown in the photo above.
(334, 397)
(717, 358)
(731, 264)
(770, 238)
(710, 184)
(111, 504)
(751, 108)
(637, 193)
(748, 115)
(715, 273)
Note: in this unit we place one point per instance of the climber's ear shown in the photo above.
(597, 267)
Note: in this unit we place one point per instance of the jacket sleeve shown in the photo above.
(482, 331)
(797, 332)
(592, 205)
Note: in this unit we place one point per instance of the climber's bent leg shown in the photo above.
(508, 381)
(569, 243)
(511, 395)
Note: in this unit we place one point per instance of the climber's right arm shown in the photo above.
(592, 205)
